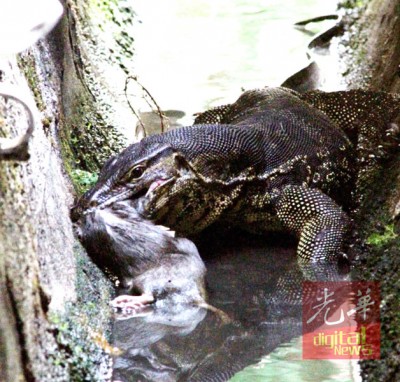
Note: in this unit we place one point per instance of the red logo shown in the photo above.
(341, 320)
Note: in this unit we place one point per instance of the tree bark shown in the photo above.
(372, 57)
(53, 301)
(372, 47)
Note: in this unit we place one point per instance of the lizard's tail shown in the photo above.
(369, 118)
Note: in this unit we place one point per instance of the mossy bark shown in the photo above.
(53, 301)
(372, 47)
(372, 56)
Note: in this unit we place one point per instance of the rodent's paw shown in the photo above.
(126, 306)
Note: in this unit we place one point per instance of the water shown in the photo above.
(261, 342)
(192, 55)
(286, 362)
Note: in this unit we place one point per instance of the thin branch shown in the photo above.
(159, 112)
(133, 110)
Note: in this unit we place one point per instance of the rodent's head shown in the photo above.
(117, 238)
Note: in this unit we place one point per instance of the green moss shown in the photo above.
(86, 136)
(382, 264)
(46, 122)
(83, 148)
(105, 7)
(83, 180)
(380, 261)
(82, 349)
(86, 142)
(116, 17)
(77, 352)
(352, 4)
(26, 63)
(380, 239)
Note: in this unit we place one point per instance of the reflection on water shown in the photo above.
(258, 284)
(286, 362)
(198, 345)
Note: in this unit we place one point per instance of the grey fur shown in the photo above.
(147, 258)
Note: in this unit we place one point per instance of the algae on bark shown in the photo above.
(372, 56)
(54, 303)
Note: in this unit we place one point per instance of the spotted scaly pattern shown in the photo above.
(319, 223)
(369, 120)
(273, 158)
(363, 115)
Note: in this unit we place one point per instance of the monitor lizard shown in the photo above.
(274, 159)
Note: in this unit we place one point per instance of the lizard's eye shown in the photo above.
(137, 172)
(134, 173)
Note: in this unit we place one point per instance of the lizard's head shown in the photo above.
(142, 172)
(185, 185)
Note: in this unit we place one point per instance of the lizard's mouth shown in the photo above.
(145, 202)
(156, 186)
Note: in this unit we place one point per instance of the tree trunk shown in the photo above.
(372, 47)
(372, 56)
(53, 301)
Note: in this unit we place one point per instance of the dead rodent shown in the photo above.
(149, 261)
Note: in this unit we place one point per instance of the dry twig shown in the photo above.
(152, 104)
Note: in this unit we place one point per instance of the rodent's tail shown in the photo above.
(221, 314)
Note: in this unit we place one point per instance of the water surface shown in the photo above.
(255, 281)
(195, 54)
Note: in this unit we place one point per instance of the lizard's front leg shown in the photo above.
(318, 221)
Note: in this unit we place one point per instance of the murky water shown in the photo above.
(256, 281)
(192, 55)
(285, 364)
